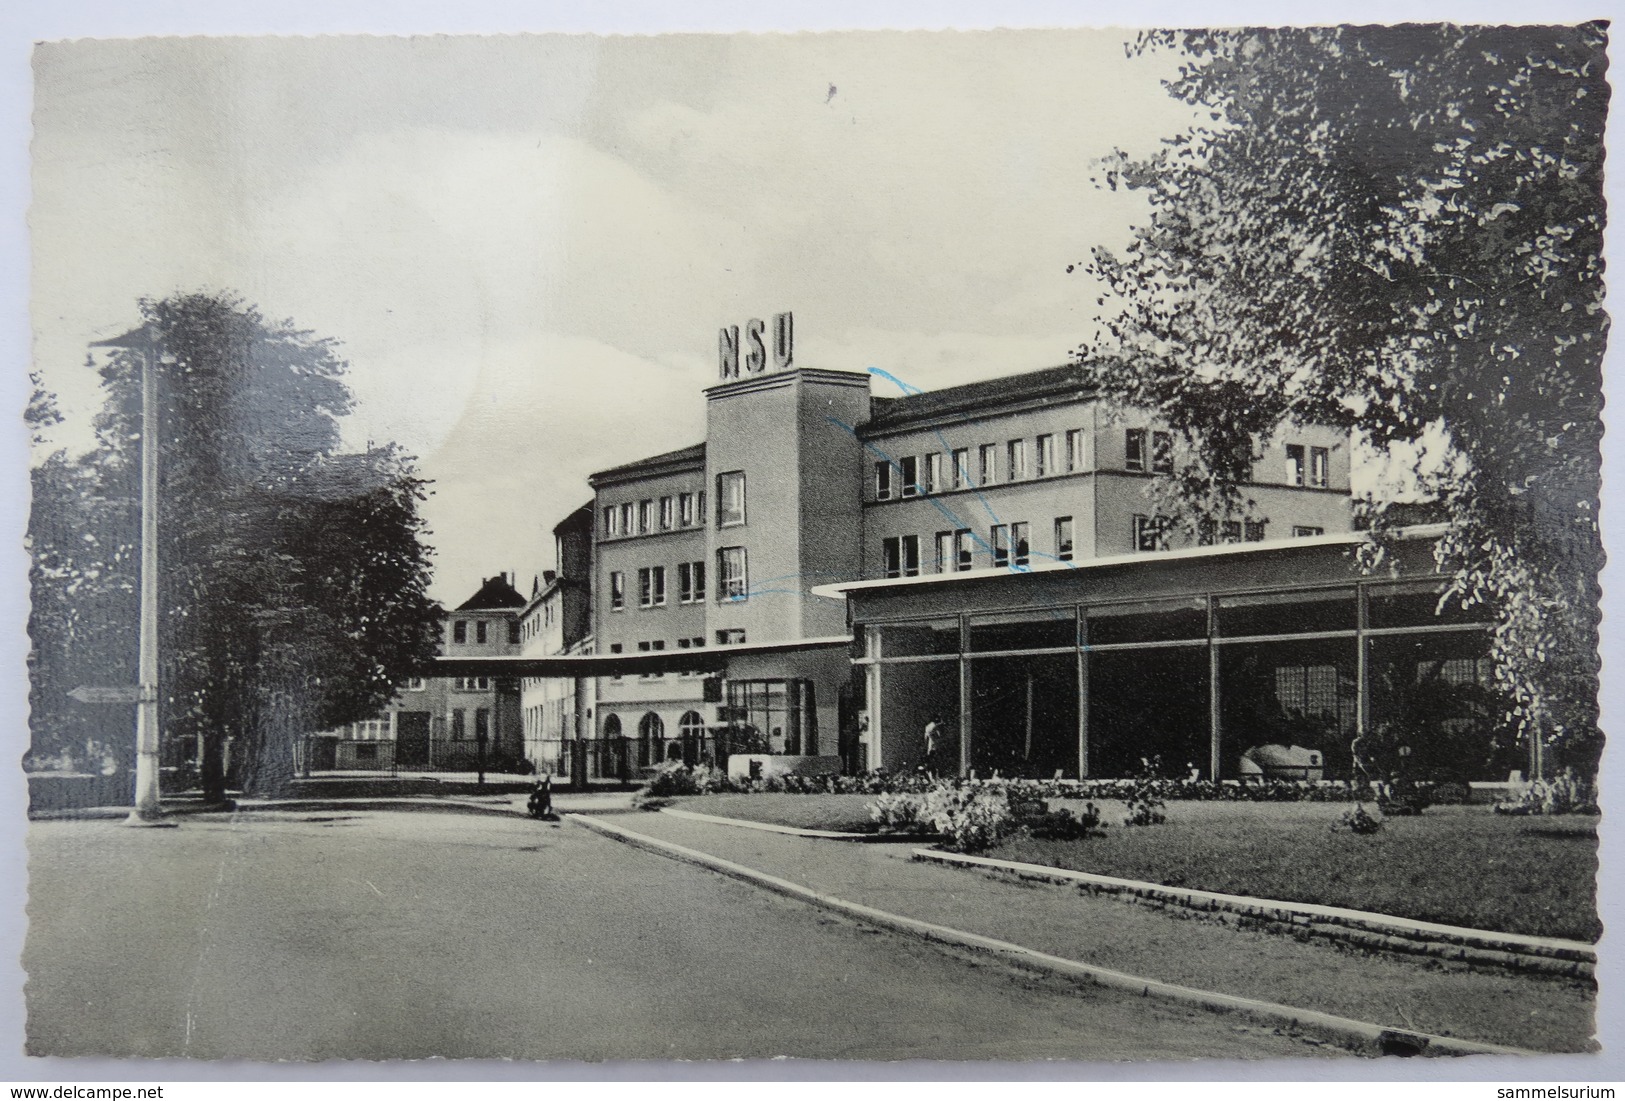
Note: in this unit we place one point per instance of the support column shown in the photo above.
(1214, 715)
(964, 696)
(1083, 695)
(147, 807)
(1362, 665)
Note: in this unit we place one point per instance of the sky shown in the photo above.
(526, 244)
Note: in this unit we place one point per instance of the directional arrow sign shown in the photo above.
(99, 693)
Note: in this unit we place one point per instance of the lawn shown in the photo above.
(1456, 865)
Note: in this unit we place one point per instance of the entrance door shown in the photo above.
(412, 739)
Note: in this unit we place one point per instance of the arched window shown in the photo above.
(691, 731)
(612, 726)
(651, 736)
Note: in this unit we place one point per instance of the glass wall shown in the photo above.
(1112, 687)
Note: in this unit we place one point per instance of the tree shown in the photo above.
(1396, 230)
(293, 579)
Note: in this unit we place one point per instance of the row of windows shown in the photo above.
(459, 630)
(732, 582)
(536, 624)
(731, 637)
(917, 475)
(1011, 545)
(472, 684)
(674, 512)
(1006, 545)
(1144, 450)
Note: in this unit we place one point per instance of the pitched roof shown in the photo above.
(1072, 379)
(694, 454)
(495, 593)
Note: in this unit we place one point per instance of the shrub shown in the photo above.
(676, 778)
(1361, 821)
(1064, 825)
(1145, 805)
(1565, 794)
(970, 817)
(898, 812)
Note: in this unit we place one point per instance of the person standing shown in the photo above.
(933, 745)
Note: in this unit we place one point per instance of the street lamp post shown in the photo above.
(148, 810)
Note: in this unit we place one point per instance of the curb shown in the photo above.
(1362, 1036)
(1366, 929)
(795, 831)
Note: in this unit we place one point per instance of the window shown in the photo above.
(416, 684)
(685, 509)
(1294, 464)
(933, 473)
(909, 465)
(1001, 545)
(1319, 467)
(1016, 452)
(366, 752)
(513, 631)
(988, 462)
(945, 552)
(651, 586)
(690, 582)
(482, 723)
(732, 580)
(1020, 544)
(963, 549)
(667, 513)
(1305, 531)
(1134, 449)
(1063, 538)
(1255, 531)
(1149, 534)
(730, 498)
(459, 630)
(1162, 452)
(627, 518)
(1044, 456)
(646, 512)
(699, 507)
(733, 636)
(614, 648)
(473, 684)
(1074, 450)
(961, 473)
(883, 481)
(900, 556)
(458, 730)
(479, 631)
(611, 527)
(617, 591)
(1230, 531)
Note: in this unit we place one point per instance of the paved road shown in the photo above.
(396, 935)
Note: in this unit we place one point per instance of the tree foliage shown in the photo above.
(1398, 231)
(293, 579)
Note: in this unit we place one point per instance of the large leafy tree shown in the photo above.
(293, 578)
(1396, 230)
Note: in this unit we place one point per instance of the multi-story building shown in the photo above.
(830, 575)
(439, 722)
(557, 622)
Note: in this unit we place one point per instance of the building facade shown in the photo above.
(441, 722)
(784, 539)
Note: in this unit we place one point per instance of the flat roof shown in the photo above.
(838, 590)
(704, 659)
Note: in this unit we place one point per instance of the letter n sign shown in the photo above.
(728, 352)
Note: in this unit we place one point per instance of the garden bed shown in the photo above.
(1455, 865)
(842, 813)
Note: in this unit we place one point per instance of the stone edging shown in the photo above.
(1362, 1036)
(1383, 932)
(794, 831)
